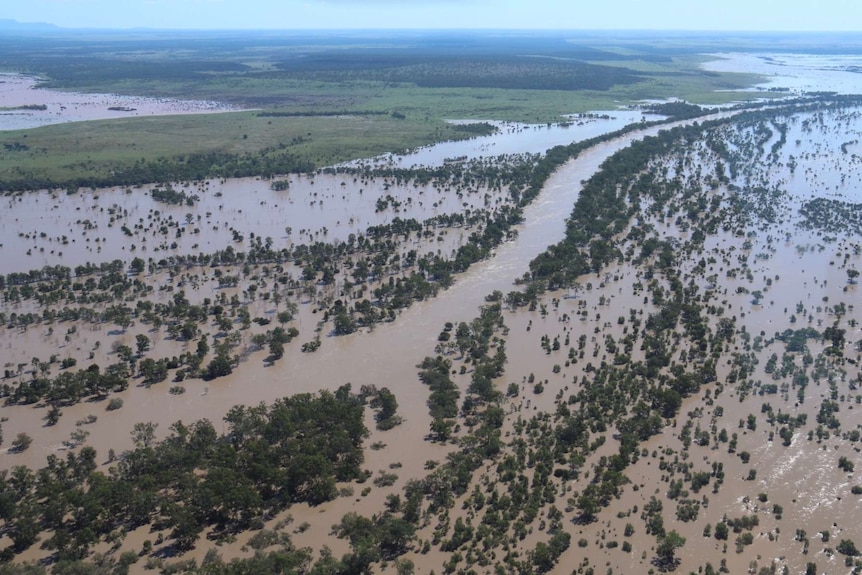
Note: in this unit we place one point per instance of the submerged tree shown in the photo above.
(666, 550)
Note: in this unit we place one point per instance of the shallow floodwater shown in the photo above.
(795, 72)
(517, 138)
(17, 91)
(386, 357)
(119, 223)
(95, 225)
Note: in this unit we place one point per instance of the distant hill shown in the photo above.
(9, 25)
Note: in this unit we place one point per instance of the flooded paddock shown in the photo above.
(382, 357)
(754, 448)
(24, 105)
(797, 73)
(363, 358)
(59, 228)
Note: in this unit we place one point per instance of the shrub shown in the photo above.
(847, 547)
(22, 442)
(385, 479)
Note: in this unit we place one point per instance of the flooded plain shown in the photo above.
(515, 138)
(24, 105)
(785, 479)
(382, 357)
(362, 358)
(776, 263)
(123, 223)
(796, 73)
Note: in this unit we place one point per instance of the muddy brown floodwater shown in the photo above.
(105, 224)
(385, 357)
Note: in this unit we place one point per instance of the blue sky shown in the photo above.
(813, 15)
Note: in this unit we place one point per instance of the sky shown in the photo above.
(742, 15)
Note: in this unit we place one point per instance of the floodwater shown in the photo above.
(94, 225)
(388, 355)
(383, 358)
(795, 72)
(120, 223)
(516, 138)
(801, 478)
(17, 91)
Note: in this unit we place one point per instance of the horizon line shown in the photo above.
(44, 27)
